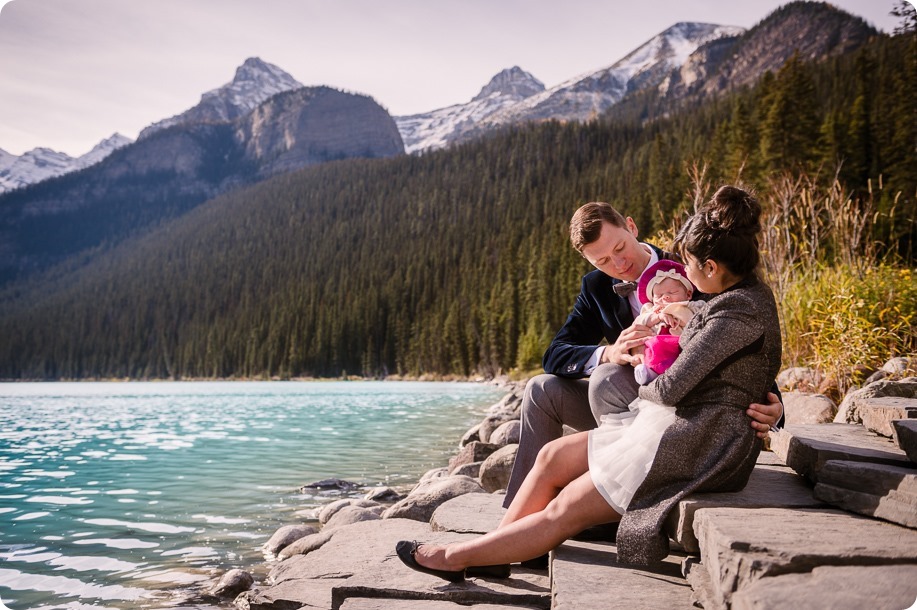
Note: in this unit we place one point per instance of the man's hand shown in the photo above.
(619, 351)
(764, 417)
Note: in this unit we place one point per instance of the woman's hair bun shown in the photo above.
(733, 210)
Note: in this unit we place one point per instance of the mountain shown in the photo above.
(436, 129)
(42, 163)
(514, 96)
(172, 170)
(254, 82)
(813, 30)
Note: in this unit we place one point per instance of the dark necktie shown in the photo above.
(624, 289)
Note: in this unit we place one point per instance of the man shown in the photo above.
(584, 380)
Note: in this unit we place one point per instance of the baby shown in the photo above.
(665, 291)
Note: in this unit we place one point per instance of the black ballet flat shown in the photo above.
(406, 550)
(495, 571)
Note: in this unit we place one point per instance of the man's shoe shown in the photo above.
(495, 571)
(406, 550)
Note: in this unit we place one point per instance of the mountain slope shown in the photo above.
(172, 170)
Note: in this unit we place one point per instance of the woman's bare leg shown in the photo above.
(578, 506)
(558, 463)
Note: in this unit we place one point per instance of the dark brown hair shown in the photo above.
(586, 223)
(725, 229)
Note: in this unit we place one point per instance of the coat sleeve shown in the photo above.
(578, 338)
(729, 326)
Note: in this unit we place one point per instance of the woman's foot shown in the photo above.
(408, 553)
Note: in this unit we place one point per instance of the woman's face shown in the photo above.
(698, 274)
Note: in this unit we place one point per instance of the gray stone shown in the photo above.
(428, 495)
(808, 408)
(326, 484)
(491, 423)
(475, 451)
(232, 583)
(469, 514)
(805, 448)
(436, 473)
(586, 575)
(879, 413)
(769, 458)
(363, 603)
(289, 595)
(306, 544)
(900, 365)
(848, 412)
(351, 514)
(497, 467)
(838, 588)
(331, 509)
(394, 581)
(875, 490)
(471, 435)
(469, 470)
(285, 536)
(768, 486)
(383, 494)
(799, 378)
(510, 405)
(507, 433)
(906, 434)
(703, 593)
(742, 546)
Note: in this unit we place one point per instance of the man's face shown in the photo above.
(617, 252)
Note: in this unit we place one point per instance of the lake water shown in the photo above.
(130, 495)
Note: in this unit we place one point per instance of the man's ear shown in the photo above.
(631, 226)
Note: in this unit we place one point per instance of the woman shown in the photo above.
(686, 433)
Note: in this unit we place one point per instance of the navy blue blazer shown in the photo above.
(597, 314)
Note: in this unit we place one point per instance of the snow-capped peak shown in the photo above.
(513, 82)
(254, 82)
(101, 150)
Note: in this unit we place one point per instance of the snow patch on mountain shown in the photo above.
(42, 163)
(254, 82)
(438, 128)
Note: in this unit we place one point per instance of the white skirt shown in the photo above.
(621, 450)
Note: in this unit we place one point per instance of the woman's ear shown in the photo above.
(711, 268)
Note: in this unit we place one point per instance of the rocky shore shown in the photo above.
(828, 520)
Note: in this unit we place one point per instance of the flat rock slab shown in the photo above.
(768, 486)
(355, 603)
(875, 490)
(839, 588)
(586, 575)
(742, 546)
(906, 433)
(806, 448)
(769, 458)
(879, 413)
(469, 514)
(526, 588)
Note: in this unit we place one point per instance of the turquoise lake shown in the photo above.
(132, 495)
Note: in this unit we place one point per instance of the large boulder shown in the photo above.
(331, 509)
(383, 494)
(808, 408)
(231, 584)
(306, 544)
(848, 411)
(352, 514)
(496, 469)
(491, 423)
(507, 434)
(428, 495)
(474, 451)
(285, 536)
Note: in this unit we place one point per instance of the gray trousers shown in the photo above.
(550, 402)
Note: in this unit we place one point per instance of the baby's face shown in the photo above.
(669, 291)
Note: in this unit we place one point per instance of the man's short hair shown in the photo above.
(586, 224)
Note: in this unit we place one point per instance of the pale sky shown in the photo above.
(73, 72)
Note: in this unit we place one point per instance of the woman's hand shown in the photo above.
(764, 417)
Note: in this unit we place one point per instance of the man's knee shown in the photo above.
(540, 395)
(611, 389)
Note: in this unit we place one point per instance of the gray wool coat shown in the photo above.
(731, 355)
